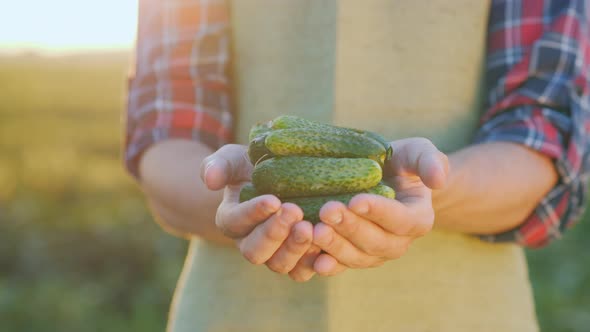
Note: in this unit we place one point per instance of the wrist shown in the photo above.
(179, 199)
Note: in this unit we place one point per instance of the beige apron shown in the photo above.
(399, 67)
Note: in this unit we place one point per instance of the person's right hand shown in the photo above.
(266, 231)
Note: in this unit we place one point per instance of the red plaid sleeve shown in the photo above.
(538, 80)
(180, 85)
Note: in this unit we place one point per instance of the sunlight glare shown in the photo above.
(67, 25)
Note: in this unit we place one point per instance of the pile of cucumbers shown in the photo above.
(310, 163)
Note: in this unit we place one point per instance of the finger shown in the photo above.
(259, 246)
(364, 234)
(228, 165)
(292, 250)
(341, 249)
(326, 266)
(418, 156)
(411, 219)
(304, 271)
(236, 219)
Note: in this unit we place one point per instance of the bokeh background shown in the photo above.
(79, 250)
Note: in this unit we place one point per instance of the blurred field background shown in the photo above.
(78, 248)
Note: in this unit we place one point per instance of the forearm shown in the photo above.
(492, 188)
(180, 201)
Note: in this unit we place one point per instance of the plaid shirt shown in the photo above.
(538, 91)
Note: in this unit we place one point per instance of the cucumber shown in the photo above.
(382, 189)
(312, 176)
(386, 145)
(291, 122)
(316, 143)
(257, 150)
(258, 129)
(247, 192)
(311, 205)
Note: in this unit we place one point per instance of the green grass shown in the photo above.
(78, 249)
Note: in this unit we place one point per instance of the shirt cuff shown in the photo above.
(551, 133)
(158, 126)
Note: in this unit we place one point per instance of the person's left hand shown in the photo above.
(373, 229)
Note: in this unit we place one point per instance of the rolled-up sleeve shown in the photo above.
(180, 87)
(538, 95)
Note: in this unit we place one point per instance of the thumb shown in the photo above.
(226, 166)
(419, 157)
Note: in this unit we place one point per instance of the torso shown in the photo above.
(401, 68)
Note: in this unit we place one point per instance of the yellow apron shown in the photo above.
(399, 67)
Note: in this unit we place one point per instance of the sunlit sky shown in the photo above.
(65, 26)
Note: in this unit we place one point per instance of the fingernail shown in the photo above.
(438, 168)
(336, 218)
(287, 218)
(300, 238)
(361, 209)
(207, 167)
(270, 210)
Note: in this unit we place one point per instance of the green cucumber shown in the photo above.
(311, 205)
(382, 189)
(316, 143)
(247, 192)
(257, 150)
(291, 122)
(386, 145)
(312, 176)
(258, 129)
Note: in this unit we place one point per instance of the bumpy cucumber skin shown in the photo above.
(258, 129)
(311, 176)
(382, 189)
(382, 141)
(247, 192)
(292, 121)
(311, 205)
(315, 143)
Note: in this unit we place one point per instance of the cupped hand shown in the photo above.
(266, 231)
(371, 229)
